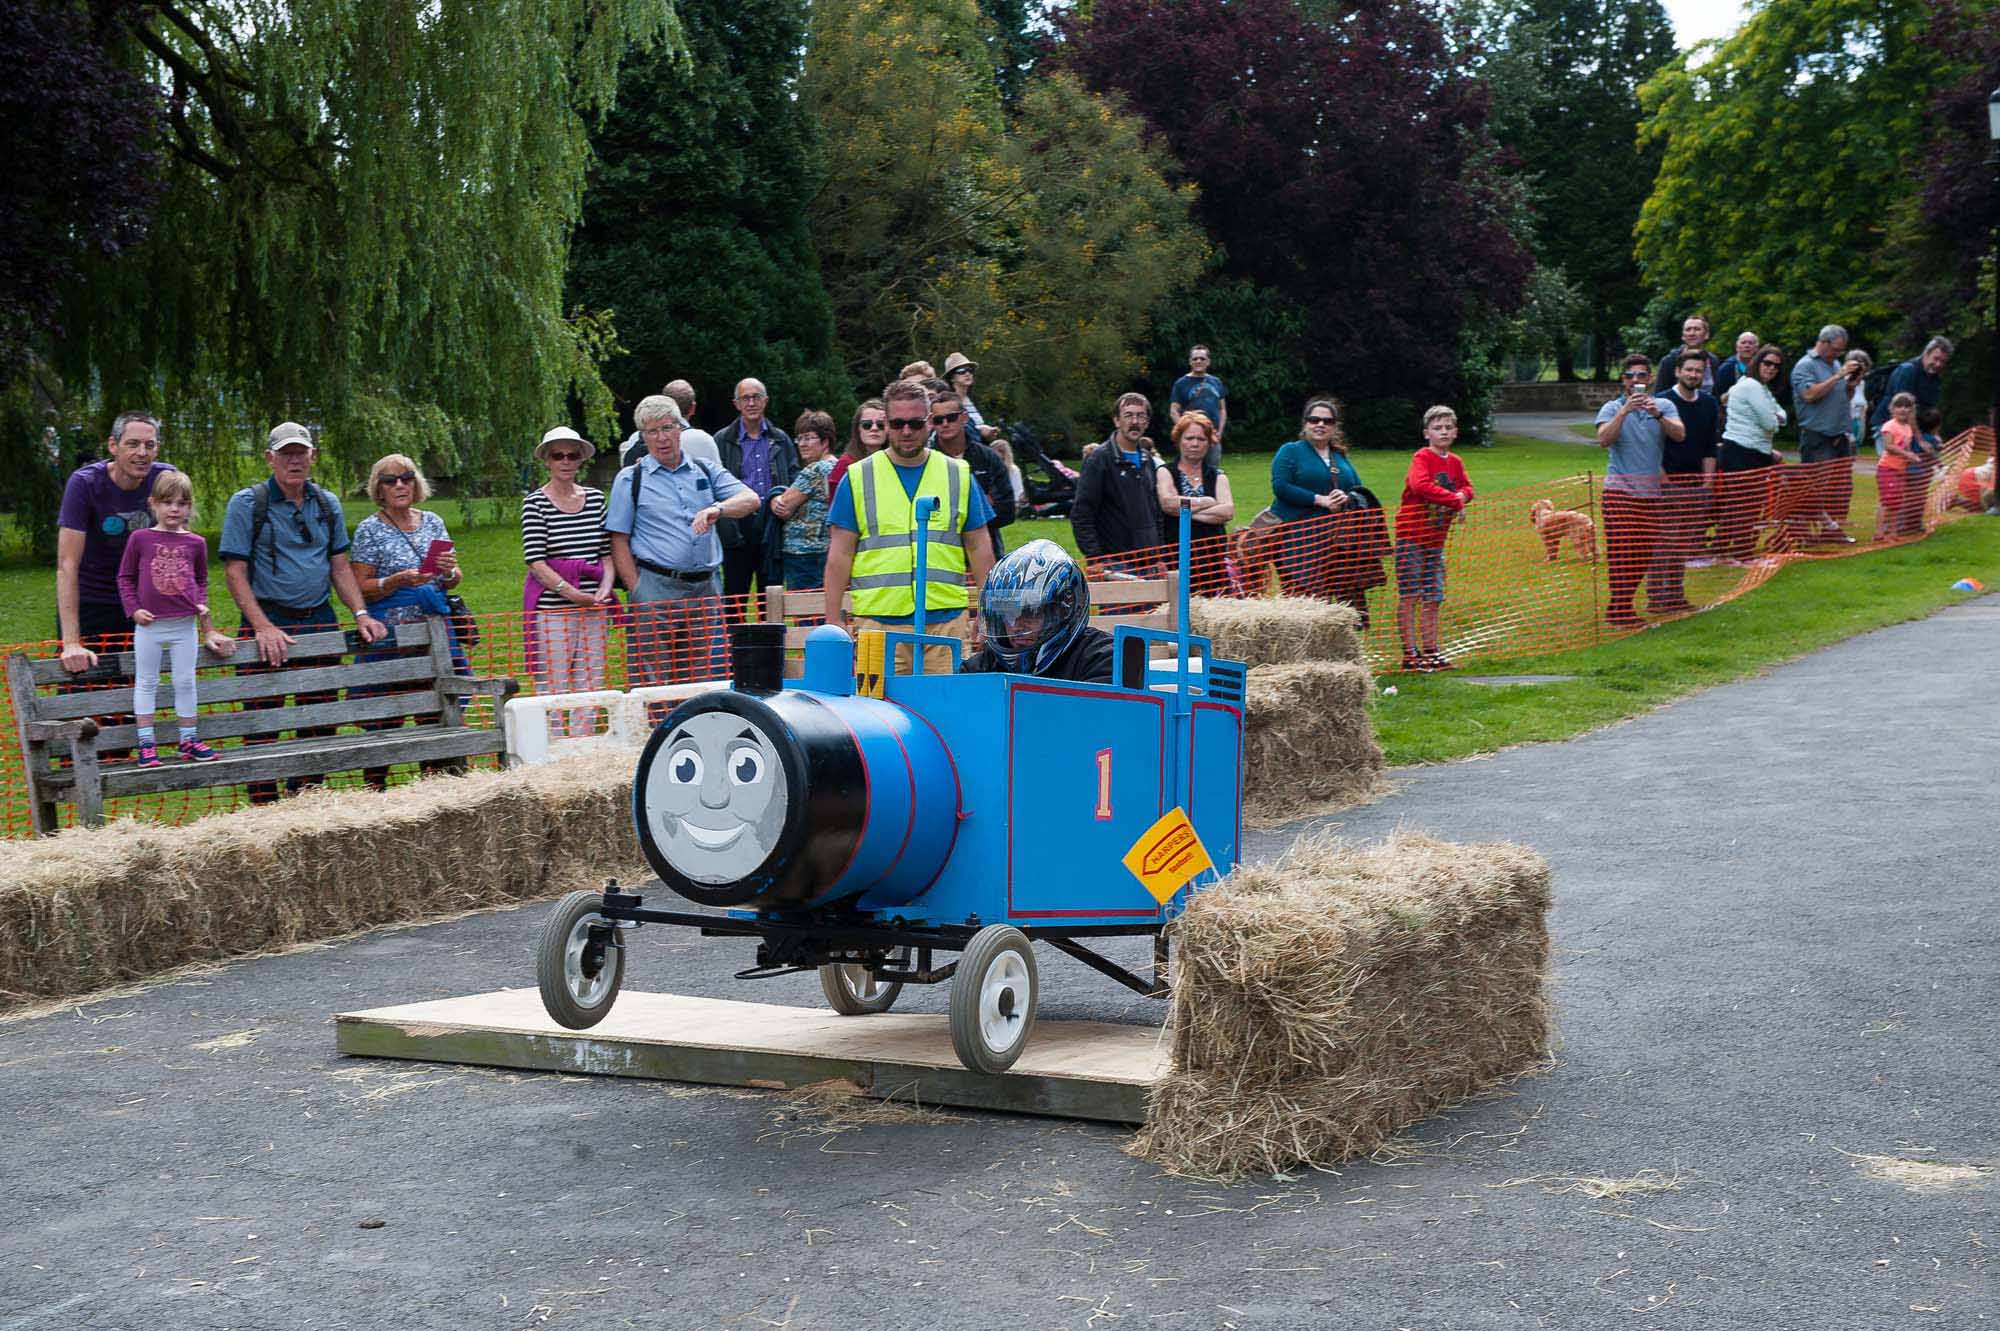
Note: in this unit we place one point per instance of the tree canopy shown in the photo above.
(1338, 173)
(1784, 150)
(694, 232)
(365, 224)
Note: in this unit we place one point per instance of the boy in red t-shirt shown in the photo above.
(1435, 491)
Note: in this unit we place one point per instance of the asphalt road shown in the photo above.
(1776, 959)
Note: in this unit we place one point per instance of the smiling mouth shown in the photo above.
(710, 839)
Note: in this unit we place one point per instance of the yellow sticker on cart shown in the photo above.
(1168, 856)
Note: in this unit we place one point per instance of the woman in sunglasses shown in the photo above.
(1311, 478)
(402, 558)
(569, 584)
(869, 433)
(1745, 457)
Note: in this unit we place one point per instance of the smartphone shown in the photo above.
(438, 550)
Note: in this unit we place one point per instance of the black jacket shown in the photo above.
(991, 473)
(1086, 660)
(736, 532)
(1116, 508)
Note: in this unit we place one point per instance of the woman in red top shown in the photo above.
(1435, 491)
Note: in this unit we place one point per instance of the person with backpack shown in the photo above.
(284, 547)
(662, 515)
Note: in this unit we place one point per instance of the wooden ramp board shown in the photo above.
(1071, 1069)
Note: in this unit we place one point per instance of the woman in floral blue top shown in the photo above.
(803, 504)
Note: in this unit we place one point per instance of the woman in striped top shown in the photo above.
(568, 591)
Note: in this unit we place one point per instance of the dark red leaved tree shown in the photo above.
(1336, 168)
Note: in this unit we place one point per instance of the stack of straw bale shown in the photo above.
(1322, 1003)
(1279, 630)
(98, 905)
(1308, 746)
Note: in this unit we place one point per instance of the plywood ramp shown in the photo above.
(1071, 1069)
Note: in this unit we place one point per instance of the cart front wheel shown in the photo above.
(852, 989)
(993, 997)
(578, 963)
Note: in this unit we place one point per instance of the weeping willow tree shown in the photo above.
(364, 225)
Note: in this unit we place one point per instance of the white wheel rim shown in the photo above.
(864, 986)
(588, 991)
(1003, 1002)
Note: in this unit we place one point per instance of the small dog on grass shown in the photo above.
(1553, 524)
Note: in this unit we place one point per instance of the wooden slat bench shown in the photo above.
(62, 739)
(1147, 602)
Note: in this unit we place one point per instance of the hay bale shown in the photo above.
(98, 905)
(1308, 745)
(1280, 630)
(1325, 1002)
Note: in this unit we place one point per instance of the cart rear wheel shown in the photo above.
(993, 997)
(578, 962)
(853, 991)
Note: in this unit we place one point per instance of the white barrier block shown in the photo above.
(525, 722)
(632, 723)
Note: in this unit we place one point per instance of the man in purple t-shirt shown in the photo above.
(760, 455)
(103, 504)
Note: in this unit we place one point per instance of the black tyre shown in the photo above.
(853, 991)
(579, 982)
(993, 997)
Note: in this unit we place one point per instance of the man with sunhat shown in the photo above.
(284, 546)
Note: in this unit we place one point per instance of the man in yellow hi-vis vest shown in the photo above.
(871, 533)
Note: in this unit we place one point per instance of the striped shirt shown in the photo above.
(549, 533)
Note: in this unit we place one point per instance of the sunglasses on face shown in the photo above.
(917, 424)
(946, 418)
(1770, 364)
(565, 457)
(874, 425)
(1319, 420)
(401, 478)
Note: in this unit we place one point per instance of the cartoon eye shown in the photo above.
(684, 768)
(746, 767)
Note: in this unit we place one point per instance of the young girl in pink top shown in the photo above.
(1895, 445)
(163, 580)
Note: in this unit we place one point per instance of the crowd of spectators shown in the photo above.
(692, 522)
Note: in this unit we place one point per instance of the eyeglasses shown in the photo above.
(946, 418)
(917, 424)
(1321, 420)
(1770, 362)
(401, 478)
(1637, 376)
(874, 425)
(751, 397)
(565, 457)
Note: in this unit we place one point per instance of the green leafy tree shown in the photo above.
(1035, 243)
(1781, 148)
(1568, 73)
(694, 232)
(365, 225)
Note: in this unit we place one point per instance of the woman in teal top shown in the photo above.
(1311, 478)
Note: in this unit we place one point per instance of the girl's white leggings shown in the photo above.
(176, 638)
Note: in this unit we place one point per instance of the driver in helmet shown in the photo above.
(1034, 613)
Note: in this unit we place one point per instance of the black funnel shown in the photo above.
(757, 657)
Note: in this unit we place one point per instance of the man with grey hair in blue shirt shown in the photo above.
(661, 513)
(1822, 389)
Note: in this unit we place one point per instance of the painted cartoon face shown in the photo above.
(716, 797)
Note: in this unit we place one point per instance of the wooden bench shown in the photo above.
(63, 741)
(1148, 602)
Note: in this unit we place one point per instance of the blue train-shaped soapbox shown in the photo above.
(861, 835)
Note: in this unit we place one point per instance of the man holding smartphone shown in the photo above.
(1821, 390)
(1634, 428)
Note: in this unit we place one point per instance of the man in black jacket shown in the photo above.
(760, 455)
(1117, 510)
(948, 436)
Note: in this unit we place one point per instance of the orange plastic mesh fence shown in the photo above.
(1527, 571)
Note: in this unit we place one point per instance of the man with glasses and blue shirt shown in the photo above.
(284, 548)
(1634, 428)
(662, 514)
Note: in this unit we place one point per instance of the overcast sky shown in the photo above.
(1698, 20)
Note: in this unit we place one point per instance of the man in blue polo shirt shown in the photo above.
(1198, 390)
(661, 513)
(1635, 428)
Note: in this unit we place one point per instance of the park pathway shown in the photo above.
(1776, 940)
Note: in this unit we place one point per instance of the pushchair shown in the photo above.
(1051, 493)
